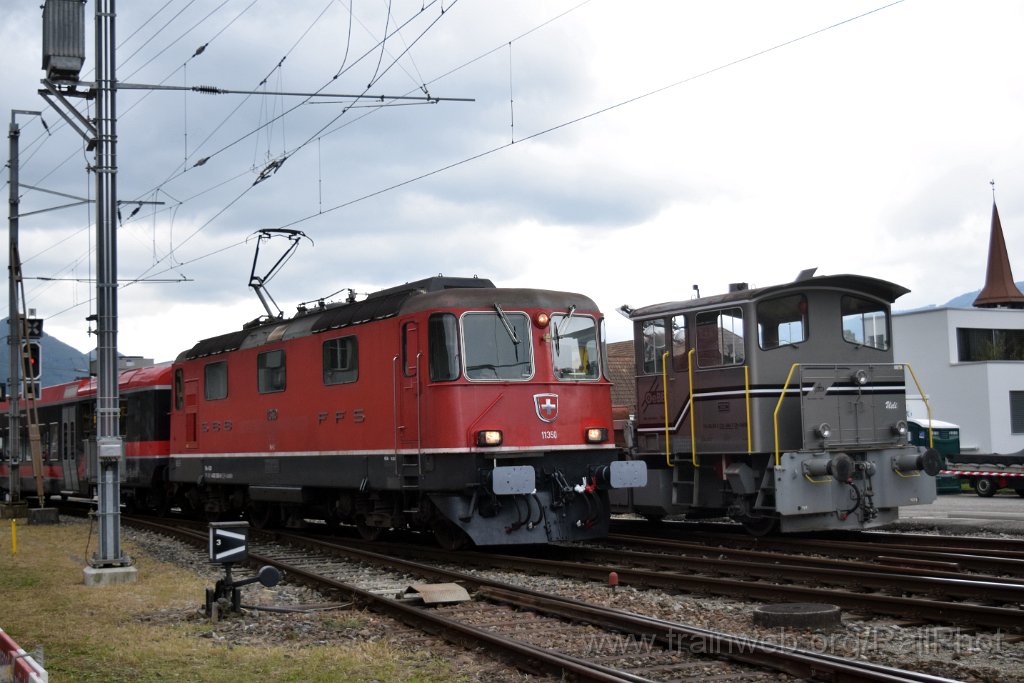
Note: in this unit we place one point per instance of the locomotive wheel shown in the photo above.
(369, 533)
(985, 487)
(260, 515)
(760, 526)
(1020, 492)
(449, 536)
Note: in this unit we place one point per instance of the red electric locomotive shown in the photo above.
(445, 404)
(480, 414)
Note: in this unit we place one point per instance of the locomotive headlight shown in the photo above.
(489, 437)
(860, 378)
(824, 430)
(597, 434)
(900, 428)
(542, 320)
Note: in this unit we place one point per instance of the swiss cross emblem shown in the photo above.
(547, 406)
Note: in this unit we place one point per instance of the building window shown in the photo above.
(341, 360)
(1017, 412)
(720, 338)
(270, 371)
(215, 381)
(978, 344)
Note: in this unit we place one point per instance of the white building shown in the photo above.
(970, 361)
(949, 350)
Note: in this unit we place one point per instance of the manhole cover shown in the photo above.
(798, 615)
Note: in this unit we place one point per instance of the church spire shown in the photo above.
(999, 290)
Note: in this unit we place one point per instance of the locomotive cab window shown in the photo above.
(270, 371)
(782, 321)
(680, 361)
(574, 347)
(443, 347)
(720, 338)
(497, 346)
(652, 345)
(865, 323)
(215, 381)
(341, 360)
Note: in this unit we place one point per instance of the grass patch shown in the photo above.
(149, 631)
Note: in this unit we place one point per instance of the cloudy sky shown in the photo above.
(627, 151)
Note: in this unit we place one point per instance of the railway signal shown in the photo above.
(32, 357)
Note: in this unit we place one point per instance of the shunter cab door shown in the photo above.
(408, 390)
(68, 448)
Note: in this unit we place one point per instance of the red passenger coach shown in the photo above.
(445, 404)
(67, 434)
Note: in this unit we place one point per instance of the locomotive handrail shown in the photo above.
(927, 406)
(778, 406)
(746, 399)
(664, 401)
(693, 412)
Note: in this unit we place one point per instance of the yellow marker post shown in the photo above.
(14, 537)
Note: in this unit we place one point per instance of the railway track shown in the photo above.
(548, 634)
(997, 556)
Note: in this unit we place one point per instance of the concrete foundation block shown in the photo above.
(13, 510)
(110, 576)
(43, 516)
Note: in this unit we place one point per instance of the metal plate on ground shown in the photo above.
(439, 593)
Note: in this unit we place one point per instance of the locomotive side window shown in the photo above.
(865, 323)
(341, 360)
(179, 389)
(497, 346)
(782, 321)
(215, 381)
(270, 371)
(720, 338)
(443, 347)
(652, 334)
(680, 362)
(574, 343)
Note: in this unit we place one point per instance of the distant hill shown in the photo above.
(966, 300)
(61, 363)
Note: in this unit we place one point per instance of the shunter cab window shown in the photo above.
(680, 363)
(270, 371)
(341, 360)
(652, 340)
(443, 347)
(865, 323)
(574, 347)
(498, 345)
(782, 321)
(720, 338)
(215, 381)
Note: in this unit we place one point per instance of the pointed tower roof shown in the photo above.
(999, 290)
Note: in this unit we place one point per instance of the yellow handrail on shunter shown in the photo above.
(775, 415)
